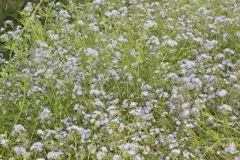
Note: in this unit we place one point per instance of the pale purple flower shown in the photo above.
(222, 93)
(100, 155)
(171, 43)
(91, 52)
(231, 148)
(225, 107)
(18, 129)
(45, 114)
(54, 155)
(38, 146)
(211, 44)
(19, 150)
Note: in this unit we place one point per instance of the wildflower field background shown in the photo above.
(122, 80)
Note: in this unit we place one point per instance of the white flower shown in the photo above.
(220, 56)
(150, 24)
(199, 40)
(39, 52)
(227, 50)
(104, 149)
(91, 52)
(115, 74)
(130, 148)
(64, 13)
(93, 27)
(116, 157)
(154, 40)
(8, 22)
(225, 107)
(18, 129)
(121, 127)
(19, 150)
(28, 8)
(81, 23)
(222, 93)
(145, 93)
(98, 102)
(186, 155)
(233, 78)
(163, 14)
(211, 44)
(237, 158)
(4, 142)
(100, 155)
(114, 13)
(78, 107)
(231, 148)
(46, 114)
(129, 76)
(37, 146)
(176, 151)
(42, 44)
(170, 43)
(137, 157)
(122, 39)
(53, 155)
(171, 146)
(77, 89)
(100, 2)
(186, 113)
(133, 104)
(40, 132)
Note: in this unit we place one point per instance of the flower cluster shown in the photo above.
(129, 79)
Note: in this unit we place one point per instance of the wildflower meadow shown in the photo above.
(121, 80)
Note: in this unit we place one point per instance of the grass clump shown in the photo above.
(116, 80)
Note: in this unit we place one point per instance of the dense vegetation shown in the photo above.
(122, 79)
(9, 9)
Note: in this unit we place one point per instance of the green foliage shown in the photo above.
(151, 80)
(9, 9)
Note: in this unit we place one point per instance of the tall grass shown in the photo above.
(9, 9)
(122, 80)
